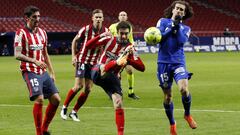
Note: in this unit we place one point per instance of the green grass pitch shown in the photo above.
(215, 89)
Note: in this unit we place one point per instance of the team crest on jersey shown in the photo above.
(79, 72)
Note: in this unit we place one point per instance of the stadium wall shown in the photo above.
(60, 43)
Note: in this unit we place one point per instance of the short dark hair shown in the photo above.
(97, 11)
(188, 11)
(28, 11)
(123, 25)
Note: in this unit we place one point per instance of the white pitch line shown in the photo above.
(133, 108)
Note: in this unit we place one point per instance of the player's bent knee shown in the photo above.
(55, 99)
(130, 72)
(77, 88)
(184, 92)
(118, 104)
(168, 100)
(129, 69)
(87, 90)
(39, 99)
(117, 101)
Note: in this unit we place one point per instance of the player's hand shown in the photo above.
(177, 20)
(130, 49)
(176, 23)
(74, 60)
(105, 34)
(41, 64)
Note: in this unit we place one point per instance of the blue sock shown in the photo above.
(186, 101)
(169, 112)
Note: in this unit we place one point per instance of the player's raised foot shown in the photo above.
(173, 129)
(74, 117)
(64, 113)
(192, 124)
(46, 133)
(133, 96)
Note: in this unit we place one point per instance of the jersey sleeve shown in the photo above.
(183, 34)
(136, 62)
(81, 32)
(98, 41)
(19, 38)
(164, 28)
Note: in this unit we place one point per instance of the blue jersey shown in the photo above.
(171, 45)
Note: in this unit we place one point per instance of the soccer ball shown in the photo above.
(152, 36)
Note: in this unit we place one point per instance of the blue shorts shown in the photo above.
(39, 85)
(167, 72)
(110, 82)
(83, 70)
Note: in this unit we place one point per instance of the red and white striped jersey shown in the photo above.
(88, 56)
(33, 45)
(112, 50)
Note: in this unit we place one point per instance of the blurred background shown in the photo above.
(215, 25)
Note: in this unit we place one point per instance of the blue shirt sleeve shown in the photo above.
(164, 28)
(183, 34)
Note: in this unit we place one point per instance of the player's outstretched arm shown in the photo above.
(99, 40)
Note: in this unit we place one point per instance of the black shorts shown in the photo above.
(39, 85)
(110, 82)
(83, 70)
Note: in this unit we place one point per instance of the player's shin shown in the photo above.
(130, 78)
(37, 114)
(119, 118)
(49, 114)
(71, 94)
(169, 112)
(186, 101)
(81, 100)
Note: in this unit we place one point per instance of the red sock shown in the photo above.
(37, 114)
(119, 114)
(81, 100)
(71, 94)
(49, 114)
